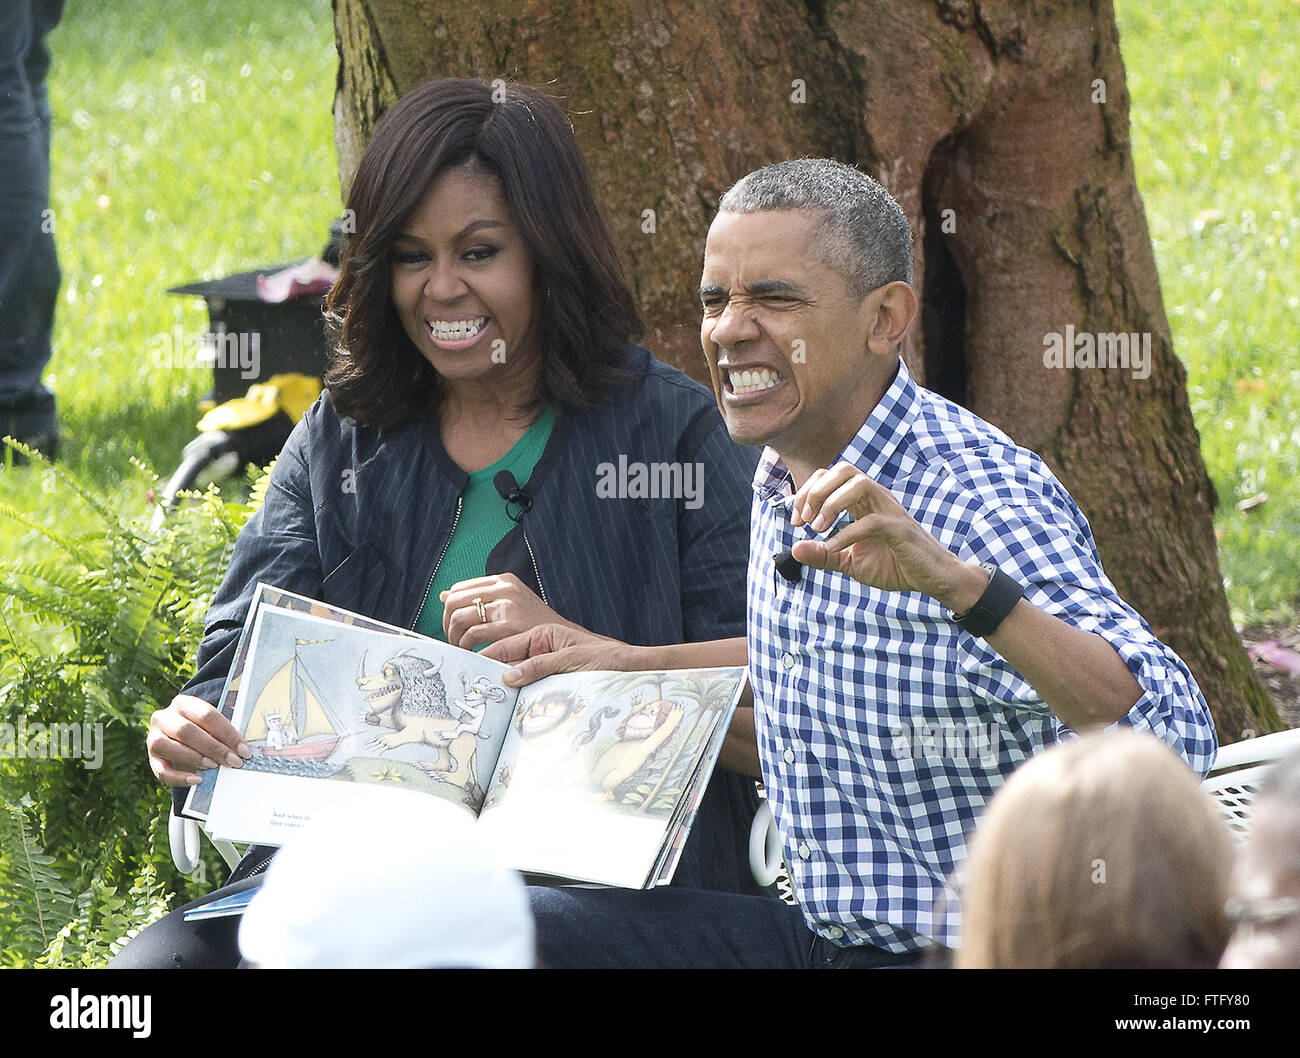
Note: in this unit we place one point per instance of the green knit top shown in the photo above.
(483, 521)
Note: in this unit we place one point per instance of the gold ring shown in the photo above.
(482, 613)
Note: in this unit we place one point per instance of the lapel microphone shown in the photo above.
(788, 566)
(508, 487)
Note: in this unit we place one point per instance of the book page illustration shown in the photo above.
(596, 764)
(200, 797)
(594, 777)
(322, 700)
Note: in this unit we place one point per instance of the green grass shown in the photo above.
(197, 141)
(189, 141)
(1216, 144)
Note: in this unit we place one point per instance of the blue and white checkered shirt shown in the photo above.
(883, 728)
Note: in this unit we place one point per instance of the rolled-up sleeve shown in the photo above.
(1171, 707)
(1049, 549)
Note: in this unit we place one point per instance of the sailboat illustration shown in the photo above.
(292, 716)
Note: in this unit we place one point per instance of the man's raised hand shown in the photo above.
(884, 547)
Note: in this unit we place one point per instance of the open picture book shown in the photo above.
(588, 777)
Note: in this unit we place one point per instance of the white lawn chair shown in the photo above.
(765, 855)
(1234, 779)
(185, 839)
(766, 862)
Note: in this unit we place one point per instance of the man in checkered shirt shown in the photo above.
(935, 614)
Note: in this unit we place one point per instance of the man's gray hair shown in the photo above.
(862, 233)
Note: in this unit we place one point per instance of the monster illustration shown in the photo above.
(499, 786)
(647, 727)
(547, 723)
(408, 695)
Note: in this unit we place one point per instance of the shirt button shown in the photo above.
(835, 933)
(804, 850)
(787, 659)
(789, 756)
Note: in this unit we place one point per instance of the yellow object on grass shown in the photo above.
(291, 393)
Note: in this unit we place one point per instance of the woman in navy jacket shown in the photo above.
(481, 317)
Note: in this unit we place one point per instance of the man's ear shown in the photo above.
(896, 309)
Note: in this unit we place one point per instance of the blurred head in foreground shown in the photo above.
(1265, 904)
(411, 885)
(1102, 852)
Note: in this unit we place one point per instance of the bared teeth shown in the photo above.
(456, 330)
(753, 381)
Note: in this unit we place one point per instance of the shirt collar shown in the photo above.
(869, 450)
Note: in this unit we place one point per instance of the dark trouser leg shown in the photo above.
(666, 928)
(29, 271)
(608, 929)
(613, 929)
(716, 855)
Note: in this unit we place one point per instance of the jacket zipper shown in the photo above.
(259, 869)
(536, 572)
(460, 501)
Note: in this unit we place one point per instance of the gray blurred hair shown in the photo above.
(862, 233)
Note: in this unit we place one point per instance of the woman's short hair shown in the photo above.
(588, 314)
(1103, 852)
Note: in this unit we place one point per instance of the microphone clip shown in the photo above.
(508, 488)
(790, 568)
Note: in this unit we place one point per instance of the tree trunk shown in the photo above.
(1002, 130)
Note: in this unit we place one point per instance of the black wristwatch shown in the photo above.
(998, 600)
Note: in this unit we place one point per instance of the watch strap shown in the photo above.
(998, 600)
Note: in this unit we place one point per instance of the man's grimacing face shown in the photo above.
(785, 338)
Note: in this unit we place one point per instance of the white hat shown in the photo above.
(401, 881)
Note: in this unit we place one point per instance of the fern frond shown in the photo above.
(55, 538)
(45, 903)
(102, 626)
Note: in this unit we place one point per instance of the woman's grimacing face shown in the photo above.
(463, 281)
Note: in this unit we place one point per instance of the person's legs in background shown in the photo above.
(29, 269)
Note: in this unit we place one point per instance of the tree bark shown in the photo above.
(1002, 129)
